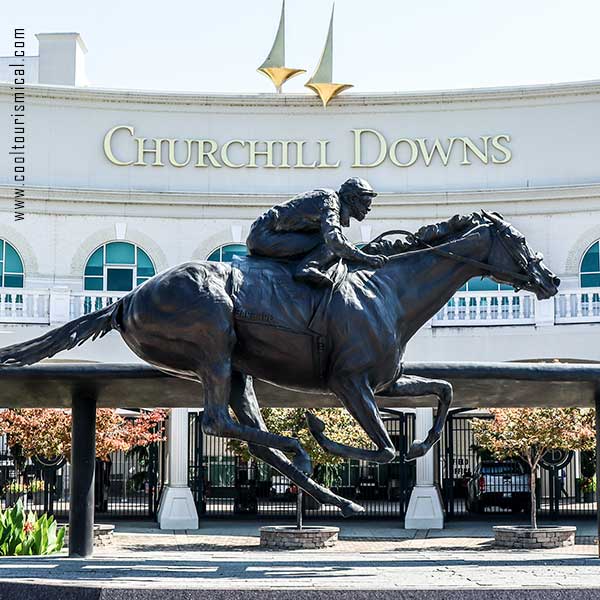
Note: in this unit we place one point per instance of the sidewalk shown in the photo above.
(370, 556)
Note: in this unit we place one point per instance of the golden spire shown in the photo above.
(322, 80)
(273, 67)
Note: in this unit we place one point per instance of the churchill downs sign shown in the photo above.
(122, 147)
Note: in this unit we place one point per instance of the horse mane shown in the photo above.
(428, 235)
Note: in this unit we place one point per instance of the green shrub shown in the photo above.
(588, 484)
(37, 485)
(14, 487)
(24, 533)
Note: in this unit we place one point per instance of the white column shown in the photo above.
(544, 312)
(177, 509)
(60, 304)
(425, 509)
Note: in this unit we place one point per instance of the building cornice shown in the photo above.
(88, 94)
(538, 200)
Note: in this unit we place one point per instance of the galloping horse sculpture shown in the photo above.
(222, 325)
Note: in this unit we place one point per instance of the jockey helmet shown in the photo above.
(358, 187)
(356, 194)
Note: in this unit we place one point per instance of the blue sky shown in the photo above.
(379, 45)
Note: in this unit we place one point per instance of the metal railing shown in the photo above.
(126, 486)
(226, 485)
(567, 491)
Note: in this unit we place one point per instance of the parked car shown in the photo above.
(367, 488)
(504, 484)
(282, 488)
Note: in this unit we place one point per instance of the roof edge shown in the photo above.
(579, 88)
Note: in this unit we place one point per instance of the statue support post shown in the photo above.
(299, 501)
(83, 462)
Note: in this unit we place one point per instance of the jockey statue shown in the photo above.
(309, 226)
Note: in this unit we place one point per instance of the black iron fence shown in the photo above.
(128, 486)
(474, 484)
(225, 485)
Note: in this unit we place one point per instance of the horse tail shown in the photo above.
(74, 333)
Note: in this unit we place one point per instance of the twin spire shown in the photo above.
(273, 67)
(322, 80)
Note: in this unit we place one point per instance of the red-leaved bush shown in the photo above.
(46, 432)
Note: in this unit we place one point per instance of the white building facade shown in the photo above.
(121, 184)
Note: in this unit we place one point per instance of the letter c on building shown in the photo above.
(108, 149)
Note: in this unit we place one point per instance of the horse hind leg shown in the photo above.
(246, 409)
(217, 420)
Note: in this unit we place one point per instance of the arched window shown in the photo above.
(589, 272)
(11, 266)
(117, 267)
(227, 252)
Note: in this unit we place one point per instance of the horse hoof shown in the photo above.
(417, 450)
(351, 509)
(315, 425)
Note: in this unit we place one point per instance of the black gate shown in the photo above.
(128, 486)
(458, 461)
(565, 481)
(224, 485)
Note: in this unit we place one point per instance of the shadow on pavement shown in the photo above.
(256, 569)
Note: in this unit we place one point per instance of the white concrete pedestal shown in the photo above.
(424, 509)
(177, 509)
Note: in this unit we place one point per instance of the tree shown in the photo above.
(291, 422)
(46, 432)
(528, 433)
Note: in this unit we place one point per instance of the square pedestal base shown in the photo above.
(425, 509)
(177, 509)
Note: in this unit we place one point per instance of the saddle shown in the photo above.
(277, 312)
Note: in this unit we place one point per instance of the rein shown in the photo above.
(456, 257)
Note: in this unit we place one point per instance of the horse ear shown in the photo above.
(492, 217)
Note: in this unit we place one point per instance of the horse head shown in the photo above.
(514, 263)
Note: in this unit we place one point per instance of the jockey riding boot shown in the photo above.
(313, 276)
(313, 268)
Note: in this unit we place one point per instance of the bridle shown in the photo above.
(524, 262)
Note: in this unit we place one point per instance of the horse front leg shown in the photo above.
(357, 396)
(411, 385)
(246, 409)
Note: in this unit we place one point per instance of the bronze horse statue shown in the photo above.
(223, 324)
